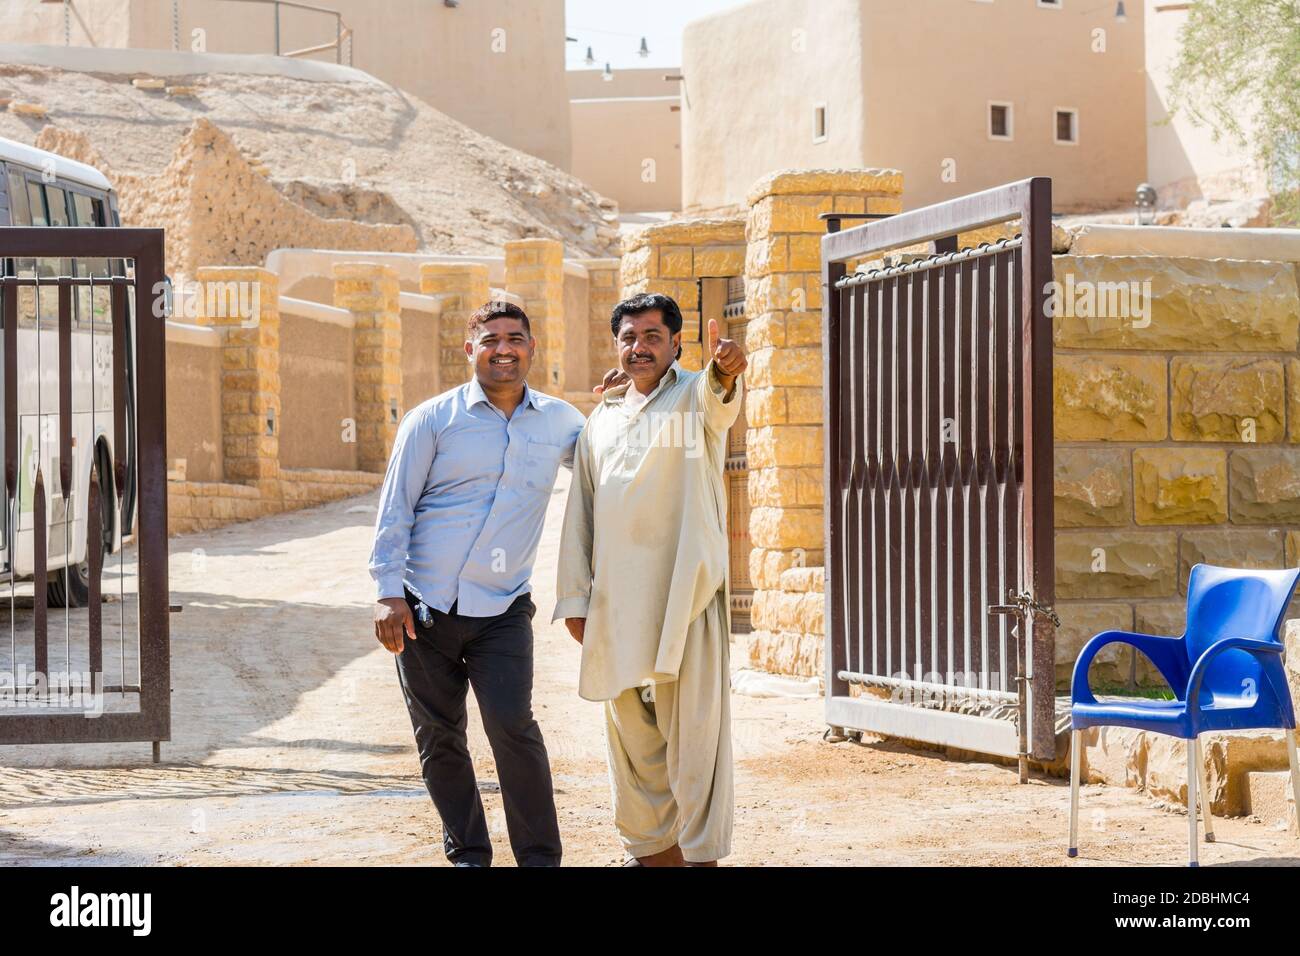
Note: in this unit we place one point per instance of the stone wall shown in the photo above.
(461, 288)
(1176, 439)
(316, 358)
(602, 295)
(253, 481)
(535, 272)
(784, 406)
(370, 293)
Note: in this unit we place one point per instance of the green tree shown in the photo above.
(1238, 72)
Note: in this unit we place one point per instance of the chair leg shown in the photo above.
(1076, 745)
(1192, 775)
(1204, 781)
(1295, 770)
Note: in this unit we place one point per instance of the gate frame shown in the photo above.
(145, 248)
(1030, 201)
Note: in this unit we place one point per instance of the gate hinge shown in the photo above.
(1022, 604)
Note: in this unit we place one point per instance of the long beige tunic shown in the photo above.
(644, 547)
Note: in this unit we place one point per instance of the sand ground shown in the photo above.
(291, 745)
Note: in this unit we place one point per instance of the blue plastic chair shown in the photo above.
(1226, 671)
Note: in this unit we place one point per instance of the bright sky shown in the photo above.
(614, 28)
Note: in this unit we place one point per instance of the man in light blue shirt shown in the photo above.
(460, 516)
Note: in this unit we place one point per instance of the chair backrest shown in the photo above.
(1231, 602)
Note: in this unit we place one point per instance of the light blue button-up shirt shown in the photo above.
(464, 498)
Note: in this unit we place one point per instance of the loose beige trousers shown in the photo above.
(670, 751)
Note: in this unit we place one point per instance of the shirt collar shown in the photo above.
(475, 394)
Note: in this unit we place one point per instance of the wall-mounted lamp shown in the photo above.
(645, 49)
(608, 75)
(1120, 15)
(1145, 202)
(590, 58)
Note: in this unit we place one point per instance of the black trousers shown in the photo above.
(495, 656)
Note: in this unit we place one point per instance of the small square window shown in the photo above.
(1067, 127)
(1000, 121)
(819, 123)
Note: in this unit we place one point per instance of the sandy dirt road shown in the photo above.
(291, 745)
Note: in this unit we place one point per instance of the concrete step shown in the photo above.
(1270, 798)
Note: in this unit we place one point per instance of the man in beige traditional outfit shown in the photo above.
(643, 585)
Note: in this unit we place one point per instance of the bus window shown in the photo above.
(83, 210)
(36, 198)
(86, 211)
(56, 201)
(20, 212)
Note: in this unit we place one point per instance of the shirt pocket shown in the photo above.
(540, 466)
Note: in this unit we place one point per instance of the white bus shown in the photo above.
(42, 189)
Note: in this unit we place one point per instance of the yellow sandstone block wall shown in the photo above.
(783, 302)
(603, 294)
(1177, 432)
(535, 273)
(250, 367)
(241, 303)
(372, 294)
(462, 288)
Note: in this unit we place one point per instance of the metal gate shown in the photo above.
(83, 364)
(939, 558)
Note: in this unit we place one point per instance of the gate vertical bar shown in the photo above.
(853, 439)
(65, 456)
(9, 314)
(151, 451)
(1039, 529)
(95, 559)
(833, 456)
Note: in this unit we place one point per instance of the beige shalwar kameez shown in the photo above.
(644, 558)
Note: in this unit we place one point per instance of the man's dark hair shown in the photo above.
(647, 302)
(496, 310)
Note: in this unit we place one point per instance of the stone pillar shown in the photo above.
(243, 304)
(535, 273)
(462, 288)
(783, 302)
(372, 294)
(602, 296)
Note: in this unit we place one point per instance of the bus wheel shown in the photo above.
(69, 587)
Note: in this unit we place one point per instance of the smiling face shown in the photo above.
(646, 348)
(501, 352)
